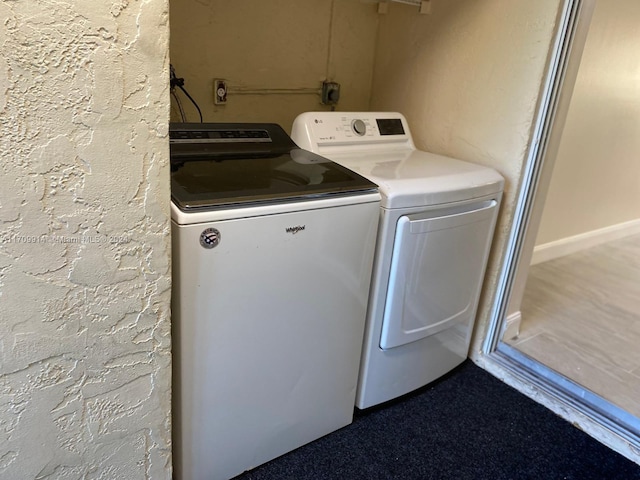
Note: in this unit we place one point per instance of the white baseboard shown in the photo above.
(512, 326)
(569, 245)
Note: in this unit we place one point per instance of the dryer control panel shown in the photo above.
(314, 129)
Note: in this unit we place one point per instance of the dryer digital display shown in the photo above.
(390, 126)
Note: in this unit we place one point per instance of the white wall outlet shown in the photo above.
(219, 91)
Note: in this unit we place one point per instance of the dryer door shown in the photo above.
(437, 266)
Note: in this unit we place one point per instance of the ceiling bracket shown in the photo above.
(424, 6)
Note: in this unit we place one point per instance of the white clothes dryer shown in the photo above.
(437, 218)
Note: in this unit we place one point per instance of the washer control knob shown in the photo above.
(359, 127)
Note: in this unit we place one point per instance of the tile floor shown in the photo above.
(581, 317)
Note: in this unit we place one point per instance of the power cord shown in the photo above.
(174, 82)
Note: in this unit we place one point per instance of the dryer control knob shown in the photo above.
(359, 127)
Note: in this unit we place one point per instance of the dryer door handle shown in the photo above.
(425, 222)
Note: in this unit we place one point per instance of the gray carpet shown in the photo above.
(468, 425)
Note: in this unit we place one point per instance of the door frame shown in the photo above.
(609, 424)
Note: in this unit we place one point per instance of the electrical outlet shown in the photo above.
(219, 91)
(330, 93)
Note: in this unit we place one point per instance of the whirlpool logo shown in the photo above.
(296, 229)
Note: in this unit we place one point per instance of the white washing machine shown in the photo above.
(437, 219)
(272, 256)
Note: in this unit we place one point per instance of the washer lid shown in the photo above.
(218, 165)
(208, 183)
(411, 178)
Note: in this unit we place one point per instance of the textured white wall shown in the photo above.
(596, 175)
(85, 250)
(468, 78)
(292, 44)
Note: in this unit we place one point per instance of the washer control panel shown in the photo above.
(343, 128)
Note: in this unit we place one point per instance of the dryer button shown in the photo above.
(359, 127)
